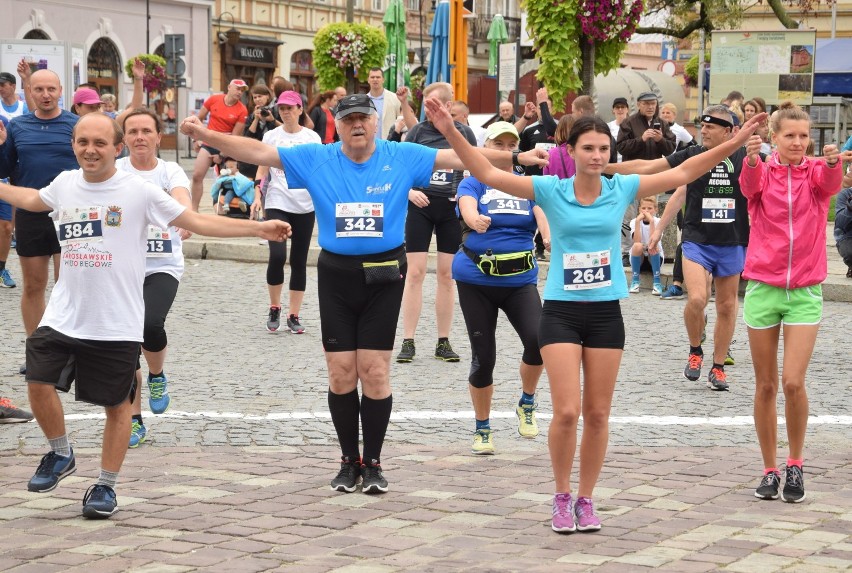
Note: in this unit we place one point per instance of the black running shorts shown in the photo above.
(35, 234)
(354, 315)
(439, 216)
(105, 370)
(589, 324)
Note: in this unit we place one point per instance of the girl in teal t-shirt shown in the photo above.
(581, 324)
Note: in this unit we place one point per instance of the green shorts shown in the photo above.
(766, 306)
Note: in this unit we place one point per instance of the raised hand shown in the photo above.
(24, 70)
(748, 128)
(192, 127)
(534, 156)
(831, 154)
(138, 69)
(275, 230)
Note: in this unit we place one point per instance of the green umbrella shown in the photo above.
(396, 72)
(497, 35)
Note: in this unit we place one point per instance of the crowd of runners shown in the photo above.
(114, 227)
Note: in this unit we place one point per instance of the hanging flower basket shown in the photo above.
(604, 20)
(341, 47)
(154, 79)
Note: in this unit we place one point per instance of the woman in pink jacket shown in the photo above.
(788, 198)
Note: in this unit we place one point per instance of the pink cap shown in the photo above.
(239, 83)
(290, 98)
(86, 96)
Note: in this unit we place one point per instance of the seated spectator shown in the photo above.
(232, 189)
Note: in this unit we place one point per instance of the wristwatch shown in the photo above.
(515, 161)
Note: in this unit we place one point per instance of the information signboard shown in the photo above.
(777, 66)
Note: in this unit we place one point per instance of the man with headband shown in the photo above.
(715, 236)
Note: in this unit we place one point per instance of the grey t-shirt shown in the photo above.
(444, 181)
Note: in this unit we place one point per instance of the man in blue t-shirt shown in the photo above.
(34, 149)
(359, 187)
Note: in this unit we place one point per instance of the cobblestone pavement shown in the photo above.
(234, 476)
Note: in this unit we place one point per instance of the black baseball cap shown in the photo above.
(6, 77)
(620, 101)
(357, 103)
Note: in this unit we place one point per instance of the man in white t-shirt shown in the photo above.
(92, 327)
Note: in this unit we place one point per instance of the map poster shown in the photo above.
(777, 66)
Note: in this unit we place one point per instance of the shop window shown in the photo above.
(104, 67)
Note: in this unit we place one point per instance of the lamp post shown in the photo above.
(232, 36)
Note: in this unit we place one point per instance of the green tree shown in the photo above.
(576, 39)
(687, 16)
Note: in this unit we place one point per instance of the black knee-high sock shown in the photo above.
(344, 414)
(375, 417)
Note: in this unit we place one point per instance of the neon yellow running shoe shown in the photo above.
(483, 445)
(527, 425)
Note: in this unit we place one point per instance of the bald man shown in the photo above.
(91, 330)
(34, 149)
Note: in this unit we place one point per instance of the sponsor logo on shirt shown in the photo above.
(378, 190)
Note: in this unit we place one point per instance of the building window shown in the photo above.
(36, 35)
(414, 5)
(104, 65)
(303, 74)
(378, 5)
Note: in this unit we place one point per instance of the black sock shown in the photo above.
(152, 375)
(375, 417)
(344, 410)
(719, 366)
(138, 418)
(445, 339)
(2, 265)
(696, 350)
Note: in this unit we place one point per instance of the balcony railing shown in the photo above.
(480, 24)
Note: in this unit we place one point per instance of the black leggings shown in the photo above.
(303, 230)
(158, 292)
(480, 304)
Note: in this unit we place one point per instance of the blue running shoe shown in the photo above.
(99, 502)
(138, 433)
(672, 292)
(6, 279)
(158, 394)
(51, 470)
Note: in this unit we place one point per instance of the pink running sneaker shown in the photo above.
(584, 510)
(563, 514)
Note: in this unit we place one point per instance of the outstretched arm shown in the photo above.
(23, 197)
(696, 166)
(638, 166)
(470, 157)
(213, 226)
(243, 149)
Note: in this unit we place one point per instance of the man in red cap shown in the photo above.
(227, 114)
